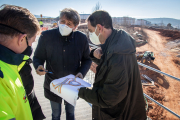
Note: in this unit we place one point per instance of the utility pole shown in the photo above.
(41, 16)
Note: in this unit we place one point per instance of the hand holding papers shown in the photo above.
(68, 88)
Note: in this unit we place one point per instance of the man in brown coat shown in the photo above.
(117, 91)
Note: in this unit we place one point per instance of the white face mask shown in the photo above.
(64, 29)
(94, 38)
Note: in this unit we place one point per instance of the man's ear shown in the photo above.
(21, 39)
(100, 28)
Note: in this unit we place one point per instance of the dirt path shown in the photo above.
(168, 88)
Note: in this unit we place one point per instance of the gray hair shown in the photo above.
(71, 14)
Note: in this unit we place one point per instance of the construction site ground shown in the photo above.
(166, 90)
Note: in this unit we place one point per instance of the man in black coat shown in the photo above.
(117, 91)
(28, 83)
(65, 52)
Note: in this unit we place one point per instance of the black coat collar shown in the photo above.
(107, 42)
(10, 57)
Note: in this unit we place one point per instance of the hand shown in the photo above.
(79, 75)
(40, 67)
(98, 53)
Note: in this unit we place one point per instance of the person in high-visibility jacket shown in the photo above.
(41, 23)
(15, 36)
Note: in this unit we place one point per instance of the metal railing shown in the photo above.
(155, 70)
(158, 71)
(161, 105)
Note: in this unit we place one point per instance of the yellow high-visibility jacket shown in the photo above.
(14, 104)
(40, 22)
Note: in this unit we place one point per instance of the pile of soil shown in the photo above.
(172, 34)
(154, 111)
(177, 62)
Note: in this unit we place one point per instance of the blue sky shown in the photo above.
(116, 8)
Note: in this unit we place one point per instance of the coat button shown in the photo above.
(93, 118)
(64, 50)
(64, 66)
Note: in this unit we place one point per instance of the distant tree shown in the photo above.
(97, 7)
(169, 25)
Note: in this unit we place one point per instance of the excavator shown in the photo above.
(147, 56)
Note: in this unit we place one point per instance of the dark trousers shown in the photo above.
(56, 111)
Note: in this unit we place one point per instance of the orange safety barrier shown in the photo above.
(44, 28)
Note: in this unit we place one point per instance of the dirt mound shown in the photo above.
(154, 111)
(177, 62)
(172, 34)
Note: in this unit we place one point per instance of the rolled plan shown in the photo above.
(68, 88)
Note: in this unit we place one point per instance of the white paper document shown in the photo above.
(68, 87)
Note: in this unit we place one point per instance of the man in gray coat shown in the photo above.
(117, 91)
